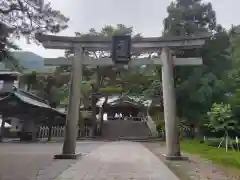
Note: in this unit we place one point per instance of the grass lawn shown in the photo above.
(218, 156)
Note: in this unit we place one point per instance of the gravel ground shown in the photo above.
(33, 161)
(196, 168)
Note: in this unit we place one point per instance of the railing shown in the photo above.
(152, 126)
(184, 132)
(149, 122)
(110, 118)
(59, 131)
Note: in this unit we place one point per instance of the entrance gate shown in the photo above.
(162, 46)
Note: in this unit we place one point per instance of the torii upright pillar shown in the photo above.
(169, 102)
(69, 145)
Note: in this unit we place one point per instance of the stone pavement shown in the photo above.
(33, 161)
(120, 160)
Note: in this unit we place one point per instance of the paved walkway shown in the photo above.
(120, 160)
(33, 161)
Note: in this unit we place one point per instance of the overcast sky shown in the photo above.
(146, 16)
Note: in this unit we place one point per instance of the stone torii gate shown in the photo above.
(166, 59)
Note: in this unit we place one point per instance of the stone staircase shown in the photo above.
(119, 129)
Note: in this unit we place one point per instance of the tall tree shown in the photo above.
(48, 90)
(104, 75)
(186, 17)
(27, 17)
(233, 81)
(203, 85)
(6, 46)
(30, 80)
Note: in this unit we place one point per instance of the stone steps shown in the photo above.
(125, 129)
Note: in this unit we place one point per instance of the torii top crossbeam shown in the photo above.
(105, 43)
(139, 45)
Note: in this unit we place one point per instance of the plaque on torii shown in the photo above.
(122, 47)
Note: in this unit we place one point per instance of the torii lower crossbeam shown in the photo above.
(61, 61)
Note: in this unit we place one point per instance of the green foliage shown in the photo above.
(111, 90)
(159, 121)
(205, 84)
(219, 156)
(142, 82)
(32, 16)
(30, 79)
(86, 114)
(64, 101)
(47, 89)
(186, 17)
(86, 91)
(10, 61)
(6, 47)
(104, 75)
(160, 125)
(221, 118)
(85, 88)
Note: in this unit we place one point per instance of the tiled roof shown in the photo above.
(9, 72)
(32, 99)
(113, 100)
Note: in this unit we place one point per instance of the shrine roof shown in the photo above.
(133, 100)
(10, 73)
(30, 99)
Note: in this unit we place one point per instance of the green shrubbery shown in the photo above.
(222, 120)
(111, 90)
(219, 156)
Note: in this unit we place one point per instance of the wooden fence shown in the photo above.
(184, 132)
(59, 131)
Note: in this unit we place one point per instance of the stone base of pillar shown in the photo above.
(176, 158)
(67, 156)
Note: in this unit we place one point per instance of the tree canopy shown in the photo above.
(202, 85)
(24, 18)
(27, 17)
